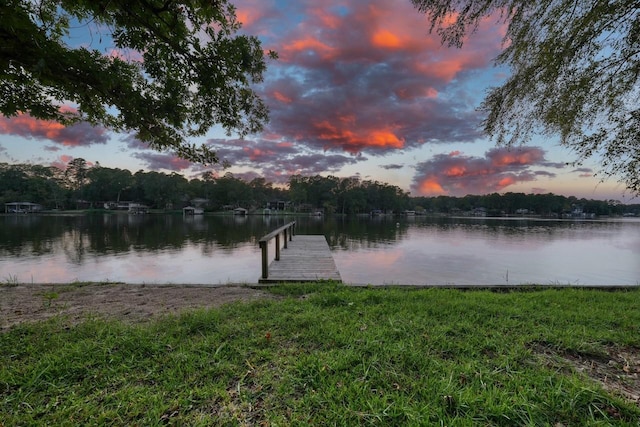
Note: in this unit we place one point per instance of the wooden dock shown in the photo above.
(306, 258)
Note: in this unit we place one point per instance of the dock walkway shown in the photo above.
(306, 258)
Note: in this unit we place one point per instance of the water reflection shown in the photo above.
(496, 251)
(384, 249)
(104, 234)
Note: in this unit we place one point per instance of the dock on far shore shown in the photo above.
(304, 258)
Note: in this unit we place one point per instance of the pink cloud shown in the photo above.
(282, 97)
(79, 134)
(246, 16)
(340, 134)
(159, 161)
(371, 61)
(258, 17)
(306, 46)
(134, 143)
(63, 160)
(516, 157)
(354, 78)
(277, 160)
(458, 175)
(584, 172)
(326, 18)
(126, 55)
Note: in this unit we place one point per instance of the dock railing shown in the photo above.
(287, 231)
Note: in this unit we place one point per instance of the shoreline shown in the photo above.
(132, 303)
(502, 286)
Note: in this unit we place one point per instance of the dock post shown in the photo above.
(286, 230)
(265, 259)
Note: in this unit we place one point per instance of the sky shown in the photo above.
(360, 89)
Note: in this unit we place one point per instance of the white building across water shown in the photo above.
(22, 207)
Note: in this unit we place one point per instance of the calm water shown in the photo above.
(157, 249)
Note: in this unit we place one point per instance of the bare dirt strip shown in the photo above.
(131, 303)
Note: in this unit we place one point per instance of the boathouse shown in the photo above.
(22, 207)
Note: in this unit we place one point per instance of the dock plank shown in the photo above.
(306, 258)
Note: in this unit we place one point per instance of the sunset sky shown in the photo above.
(360, 89)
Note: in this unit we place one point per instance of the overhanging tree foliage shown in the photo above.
(193, 70)
(575, 73)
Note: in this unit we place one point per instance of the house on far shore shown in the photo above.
(240, 211)
(190, 210)
(138, 209)
(200, 202)
(22, 207)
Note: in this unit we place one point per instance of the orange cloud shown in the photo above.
(386, 39)
(354, 142)
(26, 122)
(282, 97)
(500, 168)
(430, 93)
(358, 76)
(516, 158)
(487, 23)
(430, 187)
(66, 158)
(506, 181)
(70, 136)
(245, 16)
(253, 13)
(385, 139)
(326, 19)
(329, 132)
(409, 93)
(455, 171)
(450, 19)
(325, 51)
(348, 119)
(78, 134)
(445, 70)
(256, 153)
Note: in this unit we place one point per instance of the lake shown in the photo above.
(161, 249)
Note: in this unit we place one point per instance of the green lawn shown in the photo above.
(332, 355)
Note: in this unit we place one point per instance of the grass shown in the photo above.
(329, 355)
(10, 281)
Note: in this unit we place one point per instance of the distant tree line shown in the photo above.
(549, 205)
(83, 186)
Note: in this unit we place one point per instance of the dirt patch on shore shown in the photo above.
(617, 371)
(133, 303)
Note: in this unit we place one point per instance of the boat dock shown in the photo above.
(305, 258)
